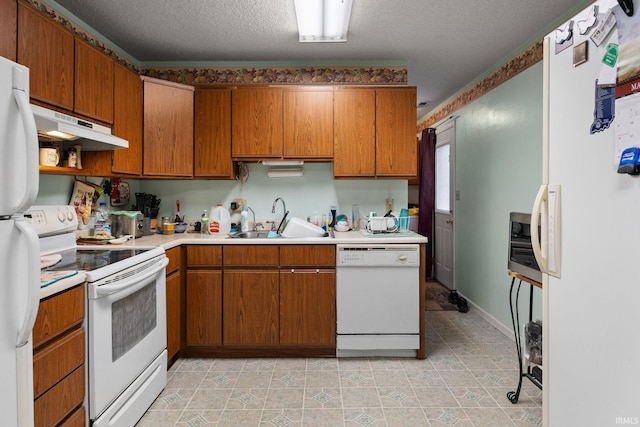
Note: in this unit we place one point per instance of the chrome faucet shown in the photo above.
(284, 216)
(255, 224)
(284, 206)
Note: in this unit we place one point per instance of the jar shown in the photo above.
(72, 159)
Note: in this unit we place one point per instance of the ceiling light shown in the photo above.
(323, 20)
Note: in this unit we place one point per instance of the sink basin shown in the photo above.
(249, 235)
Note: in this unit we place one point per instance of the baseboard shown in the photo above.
(507, 331)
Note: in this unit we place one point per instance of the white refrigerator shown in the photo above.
(19, 245)
(590, 228)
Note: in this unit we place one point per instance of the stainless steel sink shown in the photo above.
(249, 235)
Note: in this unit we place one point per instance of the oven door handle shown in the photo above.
(135, 282)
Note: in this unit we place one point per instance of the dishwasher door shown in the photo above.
(377, 297)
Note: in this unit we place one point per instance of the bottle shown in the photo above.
(204, 223)
(355, 217)
(244, 219)
(219, 220)
(102, 227)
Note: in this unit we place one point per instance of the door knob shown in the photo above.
(449, 221)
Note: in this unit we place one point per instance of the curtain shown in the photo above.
(426, 194)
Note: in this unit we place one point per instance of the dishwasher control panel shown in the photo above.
(407, 255)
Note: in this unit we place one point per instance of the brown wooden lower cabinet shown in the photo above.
(250, 301)
(204, 308)
(58, 360)
(260, 300)
(308, 307)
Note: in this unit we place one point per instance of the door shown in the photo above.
(443, 250)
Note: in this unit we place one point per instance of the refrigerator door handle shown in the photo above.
(33, 279)
(539, 205)
(20, 80)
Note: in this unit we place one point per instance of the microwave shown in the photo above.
(521, 257)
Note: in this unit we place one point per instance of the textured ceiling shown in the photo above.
(444, 44)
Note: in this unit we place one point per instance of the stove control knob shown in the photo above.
(70, 214)
(61, 216)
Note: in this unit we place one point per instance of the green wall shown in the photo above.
(498, 170)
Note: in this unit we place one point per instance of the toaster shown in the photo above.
(124, 224)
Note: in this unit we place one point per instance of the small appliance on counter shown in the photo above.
(127, 223)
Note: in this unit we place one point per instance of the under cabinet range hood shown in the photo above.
(59, 127)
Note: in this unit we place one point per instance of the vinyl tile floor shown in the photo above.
(463, 382)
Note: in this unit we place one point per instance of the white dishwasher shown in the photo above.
(378, 300)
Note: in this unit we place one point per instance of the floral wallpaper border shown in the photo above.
(357, 75)
(530, 56)
(283, 75)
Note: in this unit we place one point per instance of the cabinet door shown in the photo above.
(308, 123)
(354, 149)
(212, 151)
(256, 123)
(308, 307)
(250, 299)
(127, 120)
(8, 28)
(46, 48)
(93, 83)
(168, 129)
(204, 307)
(308, 256)
(204, 256)
(396, 148)
(174, 314)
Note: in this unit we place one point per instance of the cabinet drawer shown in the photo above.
(251, 255)
(204, 256)
(308, 255)
(76, 419)
(53, 406)
(174, 259)
(58, 314)
(57, 360)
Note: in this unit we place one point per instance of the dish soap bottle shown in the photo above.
(204, 223)
(244, 219)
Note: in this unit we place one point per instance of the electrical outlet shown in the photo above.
(239, 203)
(388, 204)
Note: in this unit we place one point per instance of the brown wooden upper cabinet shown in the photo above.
(256, 123)
(168, 128)
(64, 71)
(375, 132)
(354, 151)
(282, 123)
(127, 120)
(8, 28)
(93, 83)
(212, 141)
(46, 48)
(396, 149)
(308, 123)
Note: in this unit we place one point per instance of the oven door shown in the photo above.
(127, 329)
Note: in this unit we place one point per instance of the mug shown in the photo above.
(382, 224)
(49, 156)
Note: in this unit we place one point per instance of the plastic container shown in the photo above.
(102, 227)
(219, 220)
(298, 227)
(244, 219)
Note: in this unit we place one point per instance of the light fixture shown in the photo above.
(323, 20)
(285, 173)
(282, 162)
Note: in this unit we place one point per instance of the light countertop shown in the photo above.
(347, 237)
(174, 240)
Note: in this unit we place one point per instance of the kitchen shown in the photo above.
(485, 287)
